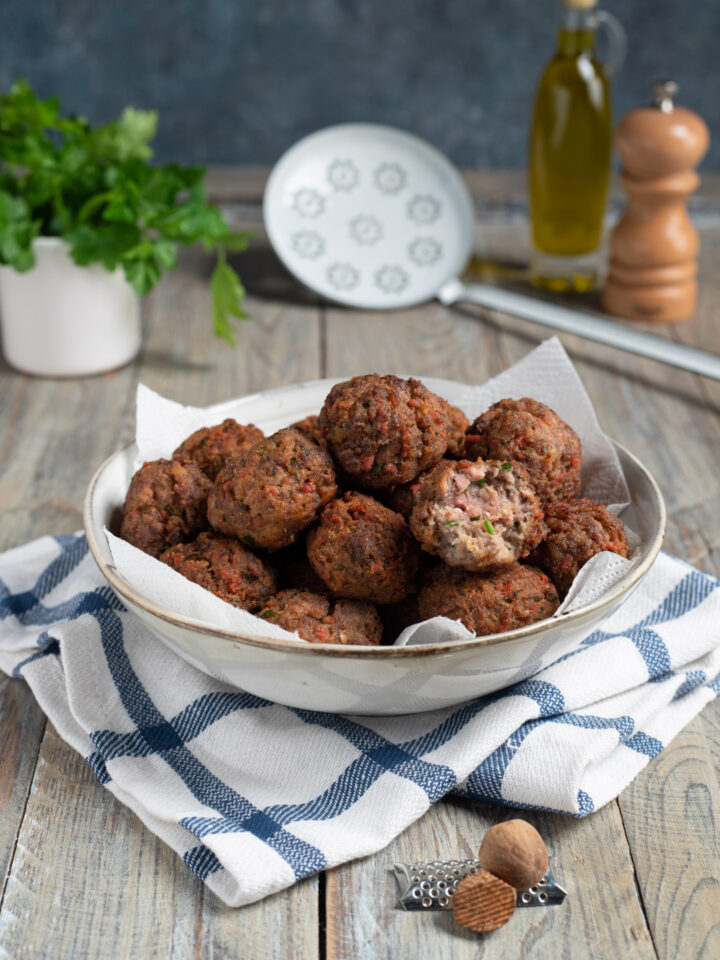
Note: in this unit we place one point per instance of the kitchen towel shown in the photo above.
(254, 796)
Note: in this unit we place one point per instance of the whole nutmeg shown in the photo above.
(483, 902)
(515, 852)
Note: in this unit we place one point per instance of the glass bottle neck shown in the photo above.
(577, 32)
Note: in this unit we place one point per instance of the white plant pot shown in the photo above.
(62, 320)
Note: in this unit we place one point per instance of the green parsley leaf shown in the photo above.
(227, 291)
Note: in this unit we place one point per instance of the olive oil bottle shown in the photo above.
(570, 145)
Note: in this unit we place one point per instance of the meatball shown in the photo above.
(321, 619)
(577, 530)
(401, 499)
(165, 505)
(273, 490)
(224, 567)
(364, 551)
(477, 514)
(212, 447)
(383, 430)
(489, 602)
(532, 434)
(457, 424)
(310, 426)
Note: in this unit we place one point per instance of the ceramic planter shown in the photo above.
(62, 320)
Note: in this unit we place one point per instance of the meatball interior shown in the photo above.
(364, 551)
(577, 530)
(165, 504)
(212, 447)
(477, 514)
(321, 619)
(225, 567)
(383, 430)
(530, 433)
(272, 491)
(490, 602)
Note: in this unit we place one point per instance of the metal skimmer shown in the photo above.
(431, 885)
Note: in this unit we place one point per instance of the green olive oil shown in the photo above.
(570, 144)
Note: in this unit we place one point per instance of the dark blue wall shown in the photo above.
(239, 81)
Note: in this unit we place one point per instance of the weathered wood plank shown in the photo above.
(600, 917)
(672, 818)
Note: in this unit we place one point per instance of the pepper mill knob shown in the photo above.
(653, 248)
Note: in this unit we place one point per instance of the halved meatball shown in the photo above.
(577, 530)
(530, 433)
(273, 490)
(477, 514)
(383, 430)
(457, 424)
(490, 602)
(364, 551)
(224, 567)
(321, 619)
(210, 448)
(165, 504)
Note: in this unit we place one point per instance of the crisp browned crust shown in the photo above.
(211, 448)
(322, 619)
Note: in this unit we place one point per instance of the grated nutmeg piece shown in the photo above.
(482, 902)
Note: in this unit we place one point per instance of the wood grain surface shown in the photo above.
(83, 878)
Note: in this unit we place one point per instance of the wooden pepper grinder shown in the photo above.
(653, 248)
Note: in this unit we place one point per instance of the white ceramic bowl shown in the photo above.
(364, 680)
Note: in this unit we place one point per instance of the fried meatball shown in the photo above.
(457, 424)
(273, 490)
(532, 434)
(577, 530)
(489, 602)
(383, 430)
(364, 551)
(212, 447)
(224, 567)
(477, 514)
(401, 499)
(310, 426)
(165, 505)
(321, 619)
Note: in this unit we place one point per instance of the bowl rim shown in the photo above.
(134, 598)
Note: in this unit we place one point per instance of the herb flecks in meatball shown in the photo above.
(271, 492)
(383, 430)
(364, 551)
(491, 602)
(532, 434)
(226, 568)
(478, 514)
(322, 619)
(211, 448)
(577, 530)
(165, 504)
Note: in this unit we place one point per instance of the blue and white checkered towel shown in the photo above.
(254, 796)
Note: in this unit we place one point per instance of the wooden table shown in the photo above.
(81, 876)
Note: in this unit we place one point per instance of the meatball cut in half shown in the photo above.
(165, 504)
(383, 430)
(224, 567)
(478, 514)
(272, 491)
(490, 602)
(210, 448)
(321, 619)
(577, 530)
(532, 434)
(364, 551)
(457, 424)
